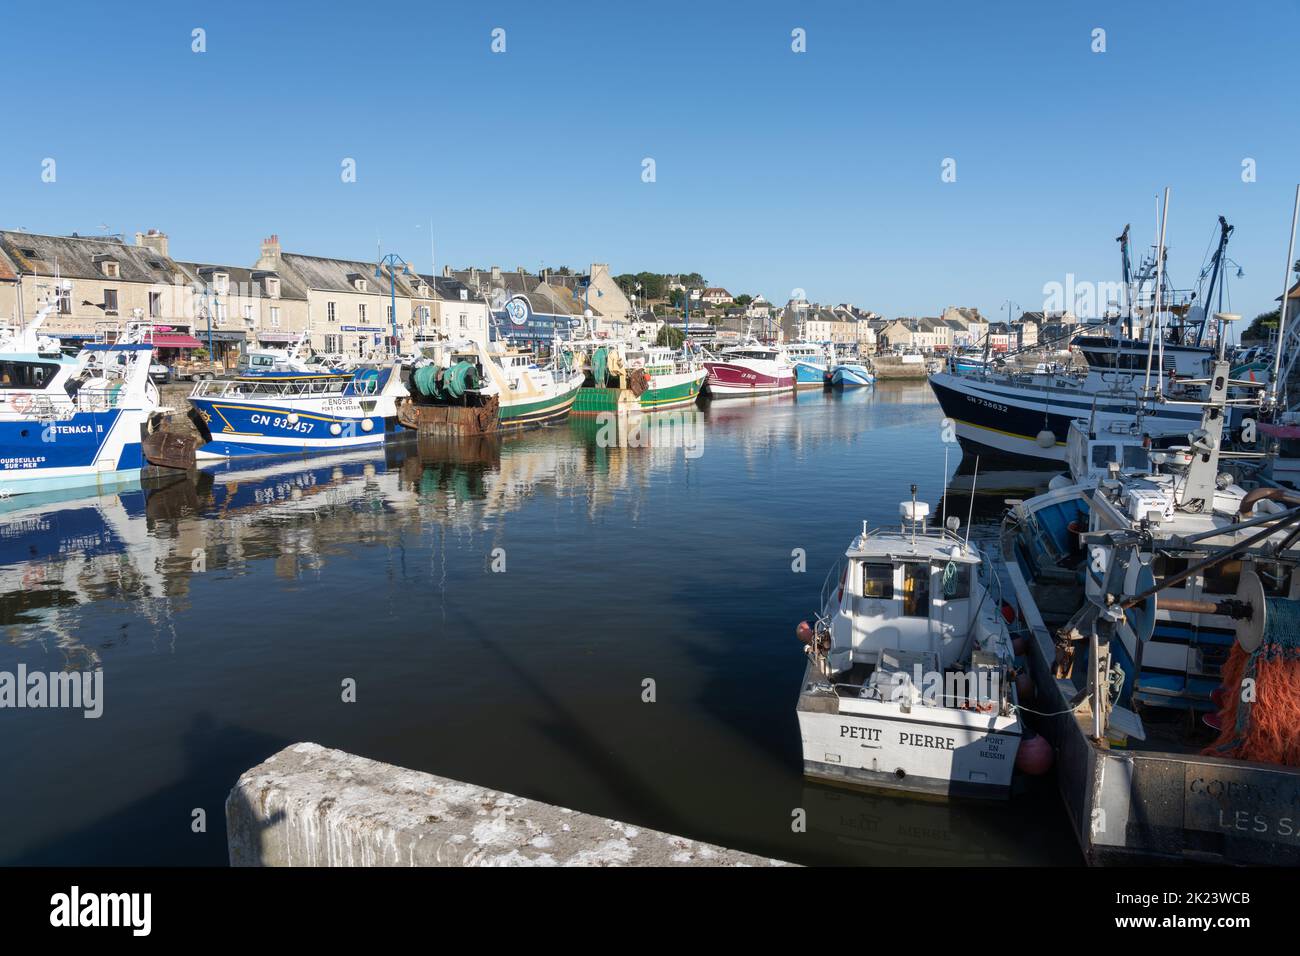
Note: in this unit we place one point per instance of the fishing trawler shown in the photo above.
(633, 376)
(811, 361)
(466, 389)
(1163, 608)
(81, 422)
(1025, 417)
(748, 369)
(909, 682)
(289, 412)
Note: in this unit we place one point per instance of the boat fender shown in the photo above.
(1058, 482)
(1008, 613)
(804, 632)
(1018, 646)
(1034, 755)
(1046, 438)
(1025, 689)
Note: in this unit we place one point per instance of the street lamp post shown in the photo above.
(392, 260)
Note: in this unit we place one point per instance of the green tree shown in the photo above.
(743, 300)
(1261, 327)
(693, 280)
(670, 337)
(652, 284)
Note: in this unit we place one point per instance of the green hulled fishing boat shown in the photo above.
(634, 377)
(467, 390)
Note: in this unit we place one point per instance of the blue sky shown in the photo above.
(774, 170)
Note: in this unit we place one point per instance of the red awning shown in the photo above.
(172, 340)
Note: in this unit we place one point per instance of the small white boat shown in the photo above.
(909, 683)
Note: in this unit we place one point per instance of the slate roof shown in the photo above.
(76, 257)
(200, 273)
(331, 275)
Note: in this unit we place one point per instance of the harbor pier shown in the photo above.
(309, 805)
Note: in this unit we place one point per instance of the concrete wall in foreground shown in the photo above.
(311, 806)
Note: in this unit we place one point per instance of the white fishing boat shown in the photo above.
(909, 683)
(86, 421)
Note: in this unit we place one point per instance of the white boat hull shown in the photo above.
(935, 750)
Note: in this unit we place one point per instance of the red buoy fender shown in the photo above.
(1034, 756)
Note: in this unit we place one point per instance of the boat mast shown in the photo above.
(1126, 270)
(1281, 309)
(1154, 330)
(1225, 231)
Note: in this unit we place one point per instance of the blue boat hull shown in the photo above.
(809, 375)
(851, 376)
(88, 450)
(233, 429)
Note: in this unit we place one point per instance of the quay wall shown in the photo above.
(312, 806)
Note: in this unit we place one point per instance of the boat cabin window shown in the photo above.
(1136, 457)
(878, 581)
(26, 374)
(1102, 455)
(916, 589)
(954, 577)
(261, 361)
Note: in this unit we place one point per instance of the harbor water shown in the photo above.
(592, 616)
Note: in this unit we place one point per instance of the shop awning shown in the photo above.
(174, 340)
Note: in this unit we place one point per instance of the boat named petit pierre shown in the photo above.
(908, 684)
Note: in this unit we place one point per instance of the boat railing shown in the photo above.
(252, 388)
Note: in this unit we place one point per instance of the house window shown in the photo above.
(221, 312)
(273, 288)
(389, 310)
(110, 269)
(275, 317)
(110, 301)
(155, 305)
(333, 343)
(248, 314)
(221, 282)
(65, 302)
(329, 314)
(464, 321)
(361, 312)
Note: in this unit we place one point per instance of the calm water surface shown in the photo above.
(227, 613)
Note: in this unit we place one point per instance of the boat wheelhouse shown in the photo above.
(909, 683)
(286, 413)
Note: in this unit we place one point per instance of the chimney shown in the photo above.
(153, 239)
(496, 276)
(447, 273)
(269, 260)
